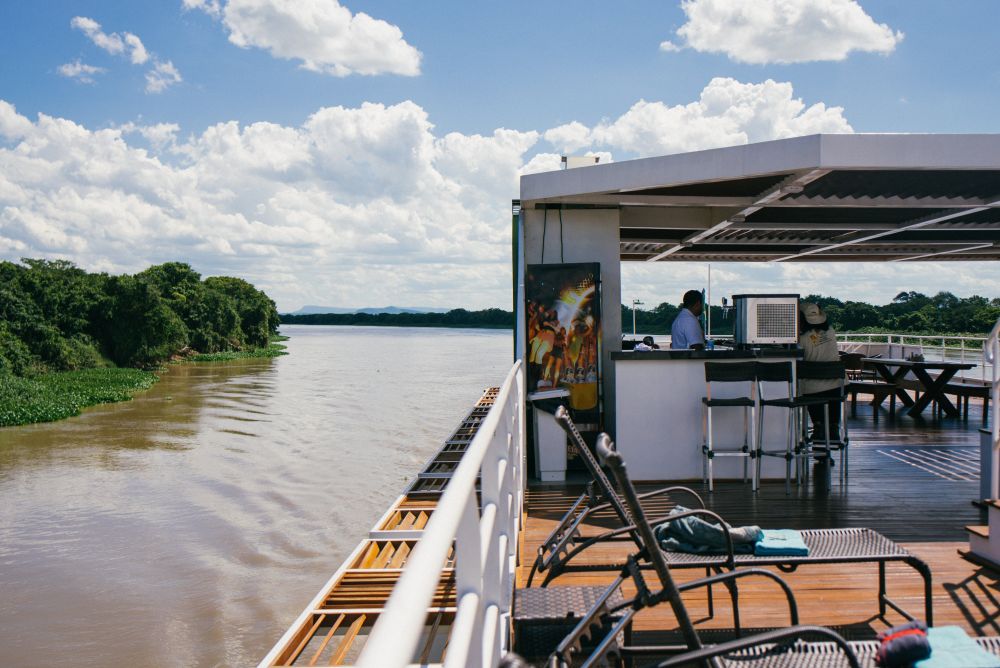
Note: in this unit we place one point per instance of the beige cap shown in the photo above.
(813, 314)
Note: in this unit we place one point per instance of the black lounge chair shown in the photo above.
(605, 623)
(826, 546)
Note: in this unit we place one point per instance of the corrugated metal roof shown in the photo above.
(819, 198)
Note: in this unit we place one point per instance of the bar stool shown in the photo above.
(723, 372)
(795, 446)
(831, 442)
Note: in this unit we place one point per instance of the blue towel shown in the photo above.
(952, 648)
(781, 543)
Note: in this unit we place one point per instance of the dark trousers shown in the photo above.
(818, 418)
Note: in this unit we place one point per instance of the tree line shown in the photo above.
(55, 316)
(491, 318)
(907, 313)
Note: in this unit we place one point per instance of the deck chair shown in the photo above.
(826, 546)
(599, 496)
(610, 649)
(779, 648)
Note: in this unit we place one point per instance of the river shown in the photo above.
(190, 526)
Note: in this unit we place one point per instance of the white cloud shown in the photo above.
(728, 112)
(323, 34)
(210, 7)
(112, 43)
(79, 71)
(162, 76)
(354, 206)
(783, 31)
(137, 51)
(669, 47)
(159, 78)
(872, 282)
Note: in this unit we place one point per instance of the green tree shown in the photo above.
(145, 331)
(257, 313)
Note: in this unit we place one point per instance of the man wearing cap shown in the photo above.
(819, 344)
(686, 331)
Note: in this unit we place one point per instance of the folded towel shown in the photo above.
(903, 645)
(915, 624)
(952, 648)
(696, 536)
(781, 543)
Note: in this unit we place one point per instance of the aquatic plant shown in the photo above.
(58, 395)
(272, 350)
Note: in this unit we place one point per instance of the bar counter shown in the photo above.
(658, 401)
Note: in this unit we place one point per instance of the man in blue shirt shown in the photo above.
(686, 331)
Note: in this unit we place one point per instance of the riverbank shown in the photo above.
(273, 349)
(59, 395)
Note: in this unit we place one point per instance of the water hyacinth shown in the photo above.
(55, 396)
(273, 350)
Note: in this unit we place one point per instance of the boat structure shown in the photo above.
(513, 538)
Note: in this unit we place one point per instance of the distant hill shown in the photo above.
(311, 309)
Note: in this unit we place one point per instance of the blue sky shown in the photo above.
(237, 162)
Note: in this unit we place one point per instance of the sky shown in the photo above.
(365, 154)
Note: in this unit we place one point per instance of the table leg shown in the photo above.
(934, 390)
(894, 378)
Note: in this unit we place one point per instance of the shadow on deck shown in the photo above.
(912, 480)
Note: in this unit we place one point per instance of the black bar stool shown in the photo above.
(795, 449)
(725, 372)
(830, 442)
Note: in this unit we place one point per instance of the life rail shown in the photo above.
(485, 535)
(991, 354)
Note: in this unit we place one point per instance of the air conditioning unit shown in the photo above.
(766, 319)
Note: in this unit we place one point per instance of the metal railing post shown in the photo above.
(485, 537)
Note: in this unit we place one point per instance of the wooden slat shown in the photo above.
(326, 640)
(347, 641)
(305, 641)
(425, 654)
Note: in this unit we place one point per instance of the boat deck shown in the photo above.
(913, 481)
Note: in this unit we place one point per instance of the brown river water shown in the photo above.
(190, 526)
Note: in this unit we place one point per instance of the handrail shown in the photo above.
(991, 355)
(485, 548)
(948, 347)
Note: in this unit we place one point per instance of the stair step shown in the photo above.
(979, 560)
(981, 531)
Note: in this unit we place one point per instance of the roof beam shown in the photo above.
(792, 185)
(885, 202)
(964, 249)
(628, 199)
(803, 226)
(913, 225)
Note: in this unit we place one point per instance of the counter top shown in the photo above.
(666, 355)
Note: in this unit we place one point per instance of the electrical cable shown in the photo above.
(562, 258)
(545, 225)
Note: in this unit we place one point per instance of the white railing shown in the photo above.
(936, 348)
(991, 354)
(485, 536)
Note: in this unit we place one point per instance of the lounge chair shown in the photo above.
(783, 647)
(826, 546)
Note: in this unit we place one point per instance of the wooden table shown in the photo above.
(893, 371)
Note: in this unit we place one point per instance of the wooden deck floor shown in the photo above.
(911, 480)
